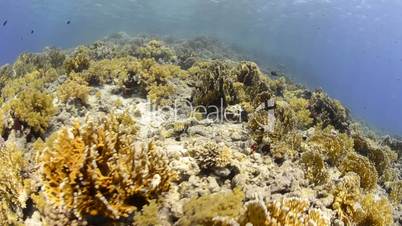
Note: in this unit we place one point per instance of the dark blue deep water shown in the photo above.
(350, 48)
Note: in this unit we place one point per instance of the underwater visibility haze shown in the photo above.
(201, 112)
(351, 48)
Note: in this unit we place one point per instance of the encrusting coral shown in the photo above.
(203, 210)
(95, 170)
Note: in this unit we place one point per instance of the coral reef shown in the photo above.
(95, 136)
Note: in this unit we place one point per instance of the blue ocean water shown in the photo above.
(350, 48)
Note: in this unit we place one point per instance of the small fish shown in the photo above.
(32, 31)
(5, 23)
(68, 22)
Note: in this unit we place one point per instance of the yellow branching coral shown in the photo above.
(74, 88)
(331, 144)
(203, 210)
(288, 211)
(293, 211)
(275, 129)
(314, 164)
(347, 196)
(396, 192)
(34, 80)
(287, 147)
(212, 155)
(256, 213)
(158, 51)
(78, 61)
(377, 211)
(96, 170)
(354, 162)
(157, 80)
(300, 107)
(31, 108)
(109, 70)
(381, 156)
(26, 63)
(132, 75)
(14, 189)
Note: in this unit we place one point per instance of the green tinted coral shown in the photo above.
(202, 210)
(78, 61)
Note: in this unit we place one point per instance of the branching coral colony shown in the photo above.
(110, 166)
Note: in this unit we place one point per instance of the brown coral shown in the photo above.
(96, 170)
(224, 81)
(212, 155)
(327, 111)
